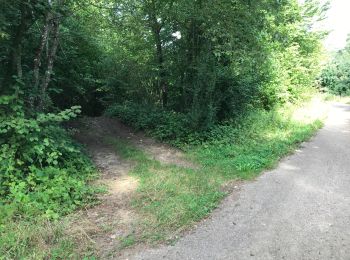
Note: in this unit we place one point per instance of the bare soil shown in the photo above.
(114, 219)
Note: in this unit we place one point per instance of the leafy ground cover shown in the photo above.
(44, 175)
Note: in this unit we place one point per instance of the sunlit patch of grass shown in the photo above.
(316, 109)
(258, 144)
(336, 98)
(170, 197)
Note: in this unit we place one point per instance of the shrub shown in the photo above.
(42, 171)
(165, 125)
(162, 124)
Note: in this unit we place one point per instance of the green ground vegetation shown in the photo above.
(172, 198)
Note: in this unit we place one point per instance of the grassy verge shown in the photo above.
(172, 198)
(169, 197)
(29, 233)
(38, 238)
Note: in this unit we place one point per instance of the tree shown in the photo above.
(206, 59)
(336, 75)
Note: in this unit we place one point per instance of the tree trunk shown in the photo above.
(39, 51)
(156, 29)
(55, 23)
(15, 56)
(160, 58)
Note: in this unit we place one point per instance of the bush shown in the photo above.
(43, 172)
(335, 76)
(169, 126)
(162, 124)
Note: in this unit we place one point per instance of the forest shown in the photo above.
(218, 80)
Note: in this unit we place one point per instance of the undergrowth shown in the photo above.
(43, 176)
(165, 125)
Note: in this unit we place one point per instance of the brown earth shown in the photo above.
(113, 219)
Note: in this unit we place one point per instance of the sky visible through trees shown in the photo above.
(338, 20)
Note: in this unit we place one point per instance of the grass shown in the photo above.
(33, 239)
(337, 98)
(169, 197)
(127, 241)
(172, 198)
(27, 235)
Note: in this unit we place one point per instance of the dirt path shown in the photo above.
(94, 130)
(301, 210)
(114, 218)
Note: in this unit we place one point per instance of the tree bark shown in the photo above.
(39, 51)
(55, 23)
(156, 29)
(160, 57)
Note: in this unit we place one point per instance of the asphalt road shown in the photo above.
(300, 210)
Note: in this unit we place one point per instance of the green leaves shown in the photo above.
(41, 170)
(336, 75)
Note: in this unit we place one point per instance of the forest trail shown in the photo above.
(114, 218)
(93, 132)
(300, 210)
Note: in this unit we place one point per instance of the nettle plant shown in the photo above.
(42, 171)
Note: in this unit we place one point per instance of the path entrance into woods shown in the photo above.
(114, 219)
(300, 210)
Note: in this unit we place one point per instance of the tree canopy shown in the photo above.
(207, 59)
(335, 76)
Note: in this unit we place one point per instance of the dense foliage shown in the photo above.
(207, 60)
(173, 68)
(211, 61)
(41, 168)
(187, 72)
(336, 75)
